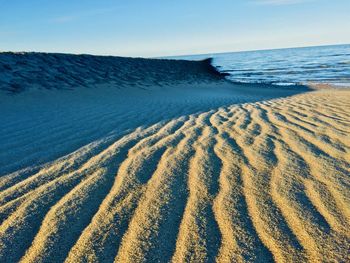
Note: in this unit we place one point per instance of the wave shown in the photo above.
(286, 66)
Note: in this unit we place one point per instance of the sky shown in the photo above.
(153, 28)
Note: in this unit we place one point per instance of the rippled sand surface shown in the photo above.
(244, 176)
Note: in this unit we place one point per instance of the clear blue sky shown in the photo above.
(170, 27)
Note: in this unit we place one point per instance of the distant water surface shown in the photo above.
(324, 64)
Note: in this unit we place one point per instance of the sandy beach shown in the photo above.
(109, 159)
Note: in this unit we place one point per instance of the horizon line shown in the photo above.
(174, 56)
(252, 50)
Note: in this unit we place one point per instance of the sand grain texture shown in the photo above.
(199, 170)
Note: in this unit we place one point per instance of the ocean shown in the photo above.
(323, 64)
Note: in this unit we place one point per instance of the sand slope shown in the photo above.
(199, 172)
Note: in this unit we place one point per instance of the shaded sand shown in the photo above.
(199, 170)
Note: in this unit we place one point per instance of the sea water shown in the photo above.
(323, 64)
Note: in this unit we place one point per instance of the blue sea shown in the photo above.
(323, 64)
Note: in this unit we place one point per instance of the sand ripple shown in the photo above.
(253, 182)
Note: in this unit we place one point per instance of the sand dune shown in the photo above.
(194, 170)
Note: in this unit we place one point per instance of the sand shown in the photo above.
(178, 165)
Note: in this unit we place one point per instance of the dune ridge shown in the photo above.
(196, 171)
(23, 71)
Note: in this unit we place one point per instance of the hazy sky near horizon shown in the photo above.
(168, 27)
